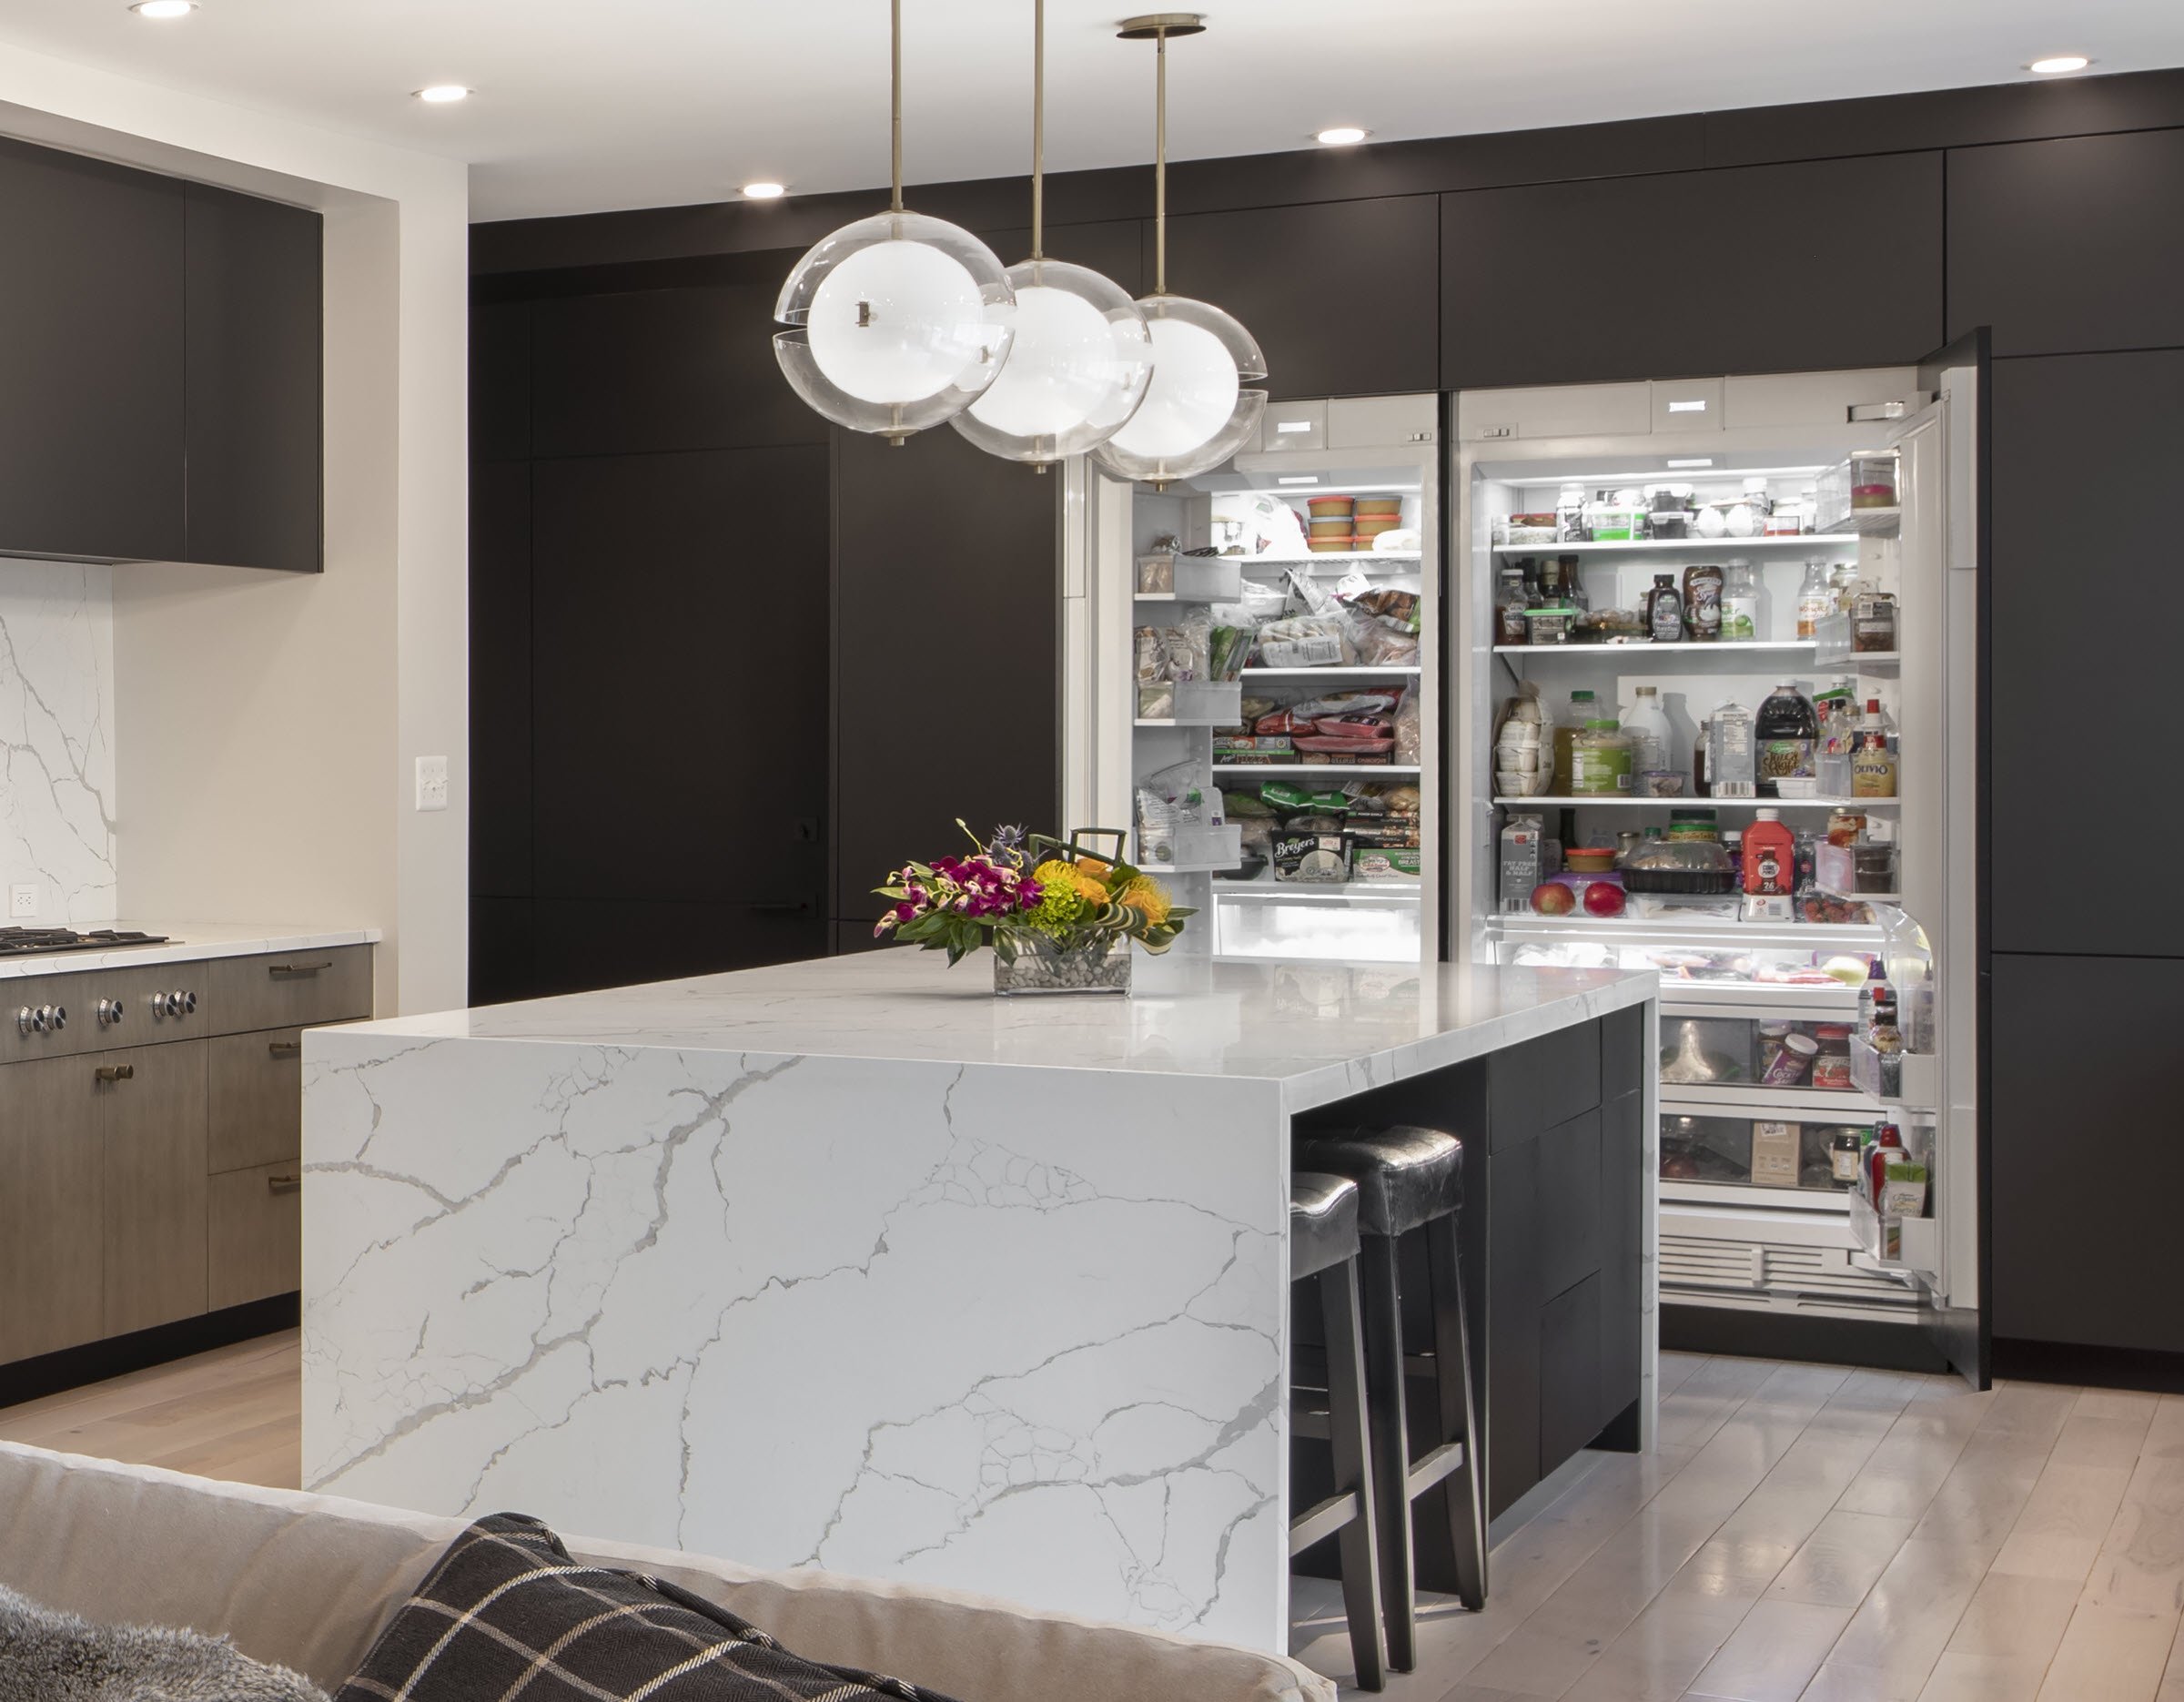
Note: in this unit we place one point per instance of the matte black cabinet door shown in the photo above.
(253, 394)
(947, 597)
(1513, 1301)
(664, 370)
(1340, 294)
(678, 680)
(501, 381)
(90, 358)
(2124, 414)
(2084, 1080)
(1571, 283)
(2070, 245)
(500, 663)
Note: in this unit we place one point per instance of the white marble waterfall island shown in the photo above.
(850, 1263)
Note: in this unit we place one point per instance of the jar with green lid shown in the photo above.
(1600, 761)
(1695, 824)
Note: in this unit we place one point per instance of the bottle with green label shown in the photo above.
(1600, 761)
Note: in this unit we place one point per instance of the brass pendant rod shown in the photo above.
(1039, 131)
(1160, 165)
(895, 74)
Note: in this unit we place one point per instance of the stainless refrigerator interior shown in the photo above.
(1756, 1214)
(1138, 577)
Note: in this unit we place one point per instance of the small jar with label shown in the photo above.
(1831, 1063)
(1791, 1067)
(1846, 1153)
(1873, 623)
(1771, 1035)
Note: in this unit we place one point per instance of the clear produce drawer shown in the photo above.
(1806, 1153)
(1700, 1053)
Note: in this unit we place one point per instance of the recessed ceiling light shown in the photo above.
(164, 8)
(1342, 136)
(442, 94)
(765, 191)
(2062, 64)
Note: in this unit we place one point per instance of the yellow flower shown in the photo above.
(1148, 897)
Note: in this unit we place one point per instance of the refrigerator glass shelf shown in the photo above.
(1409, 671)
(1394, 558)
(1701, 931)
(1703, 804)
(1645, 546)
(1308, 892)
(1290, 771)
(1643, 647)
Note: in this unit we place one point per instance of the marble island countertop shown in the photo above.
(1321, 1030)
(187, 942)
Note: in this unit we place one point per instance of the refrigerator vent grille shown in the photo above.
(1766, 1267)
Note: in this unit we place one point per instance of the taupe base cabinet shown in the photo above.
(151, 1167)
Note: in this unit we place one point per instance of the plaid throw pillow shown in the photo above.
(506, 1616)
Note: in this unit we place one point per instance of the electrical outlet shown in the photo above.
(22, 902)
(431, 783)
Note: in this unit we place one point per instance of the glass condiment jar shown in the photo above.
(1831, 1062)
(1815, 603)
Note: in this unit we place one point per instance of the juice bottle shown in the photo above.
(1567, 727)
(1816, 601)
(1770, 856)
(1788, 730)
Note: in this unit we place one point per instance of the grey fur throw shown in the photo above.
(47, 1656)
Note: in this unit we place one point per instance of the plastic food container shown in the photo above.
(1377, 505)
(1873, 480)
(1330, 507)
(1589, 859)
(1680, 866)
(1548, 626)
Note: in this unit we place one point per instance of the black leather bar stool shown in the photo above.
(1412, 1178)
(1323, 1242)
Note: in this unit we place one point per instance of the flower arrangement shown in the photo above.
(1007, 894)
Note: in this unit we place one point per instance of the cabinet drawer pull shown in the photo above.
(284, 1184)
(285, 1048)
(116, 1072)
(297, 968)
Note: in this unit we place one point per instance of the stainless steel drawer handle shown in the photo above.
(283, 1184)
(284, 1048)
(116, 1072)
(297, 968)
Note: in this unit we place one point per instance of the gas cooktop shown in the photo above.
(22, 942)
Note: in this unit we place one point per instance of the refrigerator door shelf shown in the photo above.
(1920, 1090)
(1906, 1248)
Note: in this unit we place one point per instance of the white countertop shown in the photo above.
(187, 942)
(1321, 1030)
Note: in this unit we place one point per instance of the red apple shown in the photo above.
(1552, 898)
(1604, 897)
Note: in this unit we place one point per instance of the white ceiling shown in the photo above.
(586, 105)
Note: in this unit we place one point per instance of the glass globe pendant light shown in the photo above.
(1082, 355)
(1197, 411)
(898, 320)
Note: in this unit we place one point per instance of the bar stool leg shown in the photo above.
(1391, 1447)
(1352, 1450)
(1452, 1351)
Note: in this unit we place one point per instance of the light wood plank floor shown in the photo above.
(1803, 1532)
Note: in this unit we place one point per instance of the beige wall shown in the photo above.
(267, 724)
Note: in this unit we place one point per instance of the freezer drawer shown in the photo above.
(1786, 1261)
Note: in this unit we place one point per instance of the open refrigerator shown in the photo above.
(1761, 1208)
(1317, 843)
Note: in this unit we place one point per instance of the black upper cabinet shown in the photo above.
(658, 369)
(1340, 294)
(2070, 245)
(947, 672)
(252, 390)
(2123, 414)
(500, 381)
(91, 357)
(1567, 283)
(1114, 249)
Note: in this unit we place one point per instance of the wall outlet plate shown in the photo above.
(22, 902)
(431, 783)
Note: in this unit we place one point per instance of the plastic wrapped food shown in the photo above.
(1409, 736)
(1243, 806)
(1146, 642)
(1306, 641)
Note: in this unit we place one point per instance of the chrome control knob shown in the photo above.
(25, 1020)
(109, 1012)
(60, 1017)
(188, 1002)
(44, 1019)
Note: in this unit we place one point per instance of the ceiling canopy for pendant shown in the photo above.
(897, 322)
(1198, 411)
(1082, 356)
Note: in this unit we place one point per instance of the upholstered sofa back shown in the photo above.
(309, 1581)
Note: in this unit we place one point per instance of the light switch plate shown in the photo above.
(431, 783)
(22, 901)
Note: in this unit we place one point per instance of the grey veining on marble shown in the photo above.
(852, 1265)
(57, 748)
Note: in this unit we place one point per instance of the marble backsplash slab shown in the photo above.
(56, 740)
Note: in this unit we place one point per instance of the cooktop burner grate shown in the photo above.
(19, 942)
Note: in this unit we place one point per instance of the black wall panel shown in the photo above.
(1115, 248)
(2070, 245)
(2087, 1160)
(91, 355)
(1340, 296)
(1562, 283)
(660, 370)
(946, 651)
(679, 678)
(500, 381)
(501, 706)
(254, 401)
(2072, 604)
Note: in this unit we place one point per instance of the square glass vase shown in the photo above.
(1041, 966)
